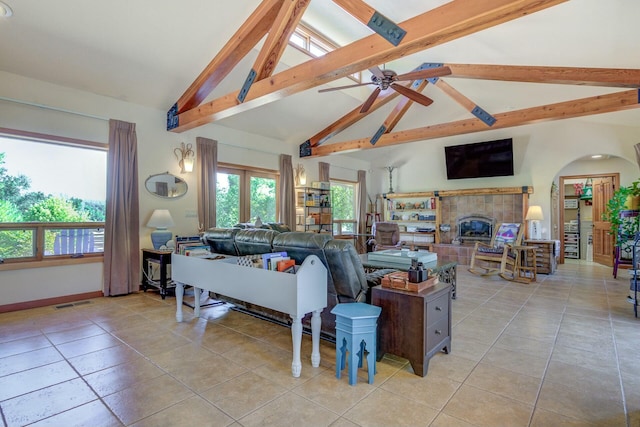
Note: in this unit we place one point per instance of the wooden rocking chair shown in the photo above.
(498, 257)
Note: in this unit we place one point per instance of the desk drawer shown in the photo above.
(436, 333)
(438, 309)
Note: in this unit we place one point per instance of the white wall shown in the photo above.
(155, 155)
(541, 154)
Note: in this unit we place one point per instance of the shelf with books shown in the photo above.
(417, 215)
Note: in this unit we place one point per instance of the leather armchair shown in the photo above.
(386, 235)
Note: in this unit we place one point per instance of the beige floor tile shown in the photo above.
(146, 398)
(517, 362)
(243, 394)
(604, 359)
(532, 347)
(84, 331)
(194, 411)
(584, 403)
(23, 345)
(278, 370)
(334, 394)
(542, 418)
(505, 383)
(581, 377)
(444, 420)
(278, 413)
(469, 348)
(34, 379)
(21, 362)
(122, 376)
(483, 408)
(103, 359)
(156, 344)
(88, 345)
(432, 391)
(46, 402)
(450, 366)
(383, 408)
(94, 414)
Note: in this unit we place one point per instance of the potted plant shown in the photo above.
(621, 200)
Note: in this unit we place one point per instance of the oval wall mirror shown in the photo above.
(166, 185)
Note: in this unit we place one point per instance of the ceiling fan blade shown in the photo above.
(370, 100)
(376, 71)
(425, 74)
(412, 95)
(344, 87)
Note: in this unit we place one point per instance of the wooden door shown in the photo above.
(602, 239)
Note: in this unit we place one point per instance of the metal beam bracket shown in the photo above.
(378, 134)
(247, 85)
(305, 149)
(386, 28)
(487, 118)
(172, 117)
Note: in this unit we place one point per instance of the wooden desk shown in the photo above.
(545, 255)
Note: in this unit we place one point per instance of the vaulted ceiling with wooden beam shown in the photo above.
(510, 62)
(390, 41)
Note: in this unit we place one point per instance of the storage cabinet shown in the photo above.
(313, 210)
(417, 214)
(414, 325)
(546, 262)
(571, 238)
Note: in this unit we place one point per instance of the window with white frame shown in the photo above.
(52, 198)
(243, 195)
(343, 202)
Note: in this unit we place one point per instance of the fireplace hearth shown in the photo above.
(475, 228)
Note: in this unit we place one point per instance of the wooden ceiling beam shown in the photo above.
(373, 19)
(618, 101)
(349, 119)
(445, 23)
(245, 39)
(611, 77)
(468, 104)
(284, 25)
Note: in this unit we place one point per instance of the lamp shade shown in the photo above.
(534, 213)
(160, 218)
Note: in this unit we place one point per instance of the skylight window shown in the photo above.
(315, 45)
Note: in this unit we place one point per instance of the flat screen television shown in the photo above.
(480, 160)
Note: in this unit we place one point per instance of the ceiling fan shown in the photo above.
(385, 79)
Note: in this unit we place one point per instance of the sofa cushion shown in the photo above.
(346, 271)
(221, 240)
(254, 241)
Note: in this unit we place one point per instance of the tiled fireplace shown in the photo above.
(471, 218)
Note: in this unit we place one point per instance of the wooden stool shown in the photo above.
(356, 325)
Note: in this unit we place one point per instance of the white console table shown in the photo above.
(294, 294)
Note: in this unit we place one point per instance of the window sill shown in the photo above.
(50, 263)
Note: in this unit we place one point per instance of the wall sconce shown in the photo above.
(534, 214)
(300, 176)
(160, 220)
(185, 156)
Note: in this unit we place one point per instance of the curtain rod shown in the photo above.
(49, 107)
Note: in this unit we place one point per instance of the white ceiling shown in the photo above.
(149, 51)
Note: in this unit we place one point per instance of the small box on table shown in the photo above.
(400, 280)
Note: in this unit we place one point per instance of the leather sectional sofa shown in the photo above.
(346, 278)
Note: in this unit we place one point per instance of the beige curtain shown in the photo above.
(323, 171)
(206, 168)
(287, 192)
(361, 203)
(637, 147)
(122, 224)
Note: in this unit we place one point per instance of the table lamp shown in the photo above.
(534, 216)
(160, 220)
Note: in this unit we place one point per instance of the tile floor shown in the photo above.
(564, 351)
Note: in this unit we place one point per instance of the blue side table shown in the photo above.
(356, 325)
